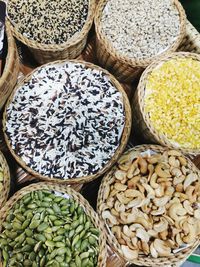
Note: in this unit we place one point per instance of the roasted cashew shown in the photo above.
(153, 181)
(174, 162)
(190, 192)
(178, 240)
(177, 173)
(132, 169)
(163, 235)
(133, 181)
(140, 188)
(179, 188)
(122, 199)
(174, 153)
(154, 159)
(161, 171)
(132, 193)
(145, 248)
(120, 187)
(116, 230)
(114, 212)
(120, 175)
(183, 161)
(151, 171)
(143, 165)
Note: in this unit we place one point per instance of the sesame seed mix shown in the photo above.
(66, 121)
(48, 22)
(140, 29)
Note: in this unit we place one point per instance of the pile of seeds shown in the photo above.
(151, 203)
(48, 229)
(1, 178)
(66, 121)
(48, 22)
(140, 29)
(172, 101)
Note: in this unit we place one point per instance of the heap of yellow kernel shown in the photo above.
(172, 100)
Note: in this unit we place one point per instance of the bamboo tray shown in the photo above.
(19, 177)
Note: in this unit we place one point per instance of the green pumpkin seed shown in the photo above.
(58, 238)
(19, 256)
(60, 244)
(84, 255)
(26, 248)
(17, 226)
(42, 227)
(27, 262)
(25, 223)
(38, 246)
(78, 261)
(30, 241)
(50, 211)
(34, 224)
(32, 206)
(42, 261)
(49, 243)
(5, 255)
(61, 231)
(85, 262)
(32, 256)
(56, 208)
(58, 222)
(75, 240)
(40, 237)
(28, 232)
(61, 251)
(59, 259)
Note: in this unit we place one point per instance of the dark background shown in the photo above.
(192, 8)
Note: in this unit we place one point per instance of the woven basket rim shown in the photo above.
(136, 62)
(10, 54)
(74, 40)
(140, 92)
(73, 194)
(119, 150)
(112, 241)
(6, 180)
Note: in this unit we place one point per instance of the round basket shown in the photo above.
(6, 180)
(141, 120)
(72, 194)
(11, 69)
(118, 152)
(124, 68)
(174, 260)
(44, 53)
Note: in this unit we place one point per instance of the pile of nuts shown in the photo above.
(151, 203)
(45, 229)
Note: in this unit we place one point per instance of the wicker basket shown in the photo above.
(174, 260)
(6, 180)
(73, 194)
(142, 121)
(11, 69)
(124, 68)
(71, 49)
(118, 152)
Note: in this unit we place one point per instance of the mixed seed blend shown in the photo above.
(140, 29)
(66, 121)
(48, 22)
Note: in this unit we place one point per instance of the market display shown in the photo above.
(48, 22)
(46, 228)
(140, 29)
(172, 99)
(150, 202)
(66, 121)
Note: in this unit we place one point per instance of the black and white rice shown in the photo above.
(48, 22)
(66, 121)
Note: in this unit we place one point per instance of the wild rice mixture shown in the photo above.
(48, 22)
(140, 29)
(67, 121)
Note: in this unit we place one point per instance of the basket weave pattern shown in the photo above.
(173, 260)
(11, 69)
(6, 180)
(77, 197)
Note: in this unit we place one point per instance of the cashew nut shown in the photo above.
(120, 187)
(143, 165)
(132, 169)
(119, 207)
(122, 198)
(163, 235)
(162, 201)
(151, 171)
(161, 171)
(178, 240)
(132, 193)
(179, 188)
(133, 181)
(190, 192)
(143, 222)
(159, 191)
(106, 215)
(120, 175)
(187, 207)
(142, 234)
(150, 191)
(177, 173)
(197, 214)
(135, 203)
(116, 230)
(160, 211)
(110, 202)
(176, 211)
(128, 232)
(153, 251)
(190, 238)
(183, 161)
(153, 181)
(154, 159)
(162, 248)
(174, 162)
(129, 254)
(192, 177)
(161, 226)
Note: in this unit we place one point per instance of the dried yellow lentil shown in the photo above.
(172, 100)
